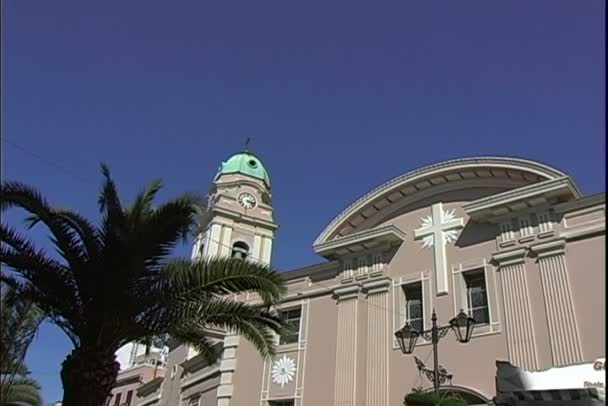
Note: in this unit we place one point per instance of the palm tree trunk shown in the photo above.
(88, 375)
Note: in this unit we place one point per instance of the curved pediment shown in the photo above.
(465, 179)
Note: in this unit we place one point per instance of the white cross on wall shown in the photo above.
(436, 231)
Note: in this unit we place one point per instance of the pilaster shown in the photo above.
(346, 356)
(518, 317)
(563, 330)
(378, 341)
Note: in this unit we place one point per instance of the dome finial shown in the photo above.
(247, 141)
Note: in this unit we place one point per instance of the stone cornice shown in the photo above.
(325, 270)
(150, 387)
(199, 376)
(512, 257)
(598, 199)
(347, 292)
(584, 232)
(224, 183)
(245, 219)
(549, 248)
(436, 174)
(377, 286)
(495, 207)
(357, 242)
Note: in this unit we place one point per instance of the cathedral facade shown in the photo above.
(513, 243)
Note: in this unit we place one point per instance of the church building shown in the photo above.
(513, 243)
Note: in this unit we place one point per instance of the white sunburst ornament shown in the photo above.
(283, 371)
(437, 231)
(449, 236)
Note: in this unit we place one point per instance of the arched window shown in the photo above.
(240, 250)
(471, 396)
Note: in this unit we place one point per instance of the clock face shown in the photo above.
(247, 200)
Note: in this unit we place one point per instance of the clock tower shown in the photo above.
(238, 220)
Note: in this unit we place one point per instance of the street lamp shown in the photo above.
(462, 325)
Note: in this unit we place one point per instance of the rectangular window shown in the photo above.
(477, 296)
(286, 402)
(292, 320)
(414, 310)
(129, 397)
(117, 399)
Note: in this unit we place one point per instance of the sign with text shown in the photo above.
(510, 378)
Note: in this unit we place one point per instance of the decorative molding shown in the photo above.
(494, 208)
(245, 219)
(325, 270)
(376, 286)
(199, 376)
(512, 257)
(549, 248)
(453, 170)
(584, 202)
(582, 232)
(358, 242)
(347, 292)
(283, 370)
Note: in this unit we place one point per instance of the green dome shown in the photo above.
(247, 164)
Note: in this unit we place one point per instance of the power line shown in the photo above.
(45, 161)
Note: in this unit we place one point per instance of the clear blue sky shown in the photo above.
(339, 96)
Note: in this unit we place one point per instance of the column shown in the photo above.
(345, 381)
(213, 248)
(563, 331)
(518, 320)
(266, 249)
(225, 248)
(378, 341)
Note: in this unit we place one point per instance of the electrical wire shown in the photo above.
(43, 160)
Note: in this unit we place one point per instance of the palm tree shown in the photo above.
(19, 321)
(22, 391)
(114, 282)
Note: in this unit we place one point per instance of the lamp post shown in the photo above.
(462, 325)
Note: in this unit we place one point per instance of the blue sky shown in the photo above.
(338, 96)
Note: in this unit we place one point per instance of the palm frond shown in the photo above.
(142, 206)
(20, 320)
(15, 194)
(255, 323)
(22, 391)
(53, 282)
(114, 281)
(197, 338)
(163, 228)
(187, 280)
